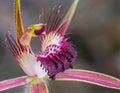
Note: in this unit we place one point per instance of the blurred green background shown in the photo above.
(95, 30)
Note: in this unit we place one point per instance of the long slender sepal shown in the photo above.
(11, 83)
(66, 21)
(89, 77)
(18, 19)
(38, 86)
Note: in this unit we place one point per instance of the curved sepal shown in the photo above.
(89, 77)
(25, 57)
(18, 19)
(11, 83)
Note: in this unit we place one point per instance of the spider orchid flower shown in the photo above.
(56, 57)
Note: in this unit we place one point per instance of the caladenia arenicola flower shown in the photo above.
(56, 57)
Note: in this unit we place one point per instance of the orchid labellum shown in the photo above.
(56, 57)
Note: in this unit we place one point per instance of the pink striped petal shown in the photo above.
(25, 57)
(11, 83)
(66, 21)
(38, 86)
(89, 77)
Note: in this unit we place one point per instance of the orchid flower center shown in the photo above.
(57, 53)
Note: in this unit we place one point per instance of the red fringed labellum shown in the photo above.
(57, 53)
(57, 58)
